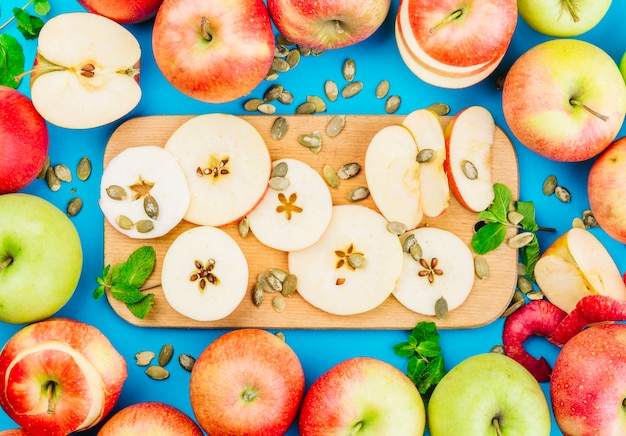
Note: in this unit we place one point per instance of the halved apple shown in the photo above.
(86, 71)
(227, 166)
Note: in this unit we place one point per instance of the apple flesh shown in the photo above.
(23, 141)
(563, 18)
(150, 418)
(124, 12)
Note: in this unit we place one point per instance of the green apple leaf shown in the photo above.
(11, 61)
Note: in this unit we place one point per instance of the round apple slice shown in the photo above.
(227, 166)
(205, 274)
(445, 270)
(143, 192)
(295, 217)
(353, 267)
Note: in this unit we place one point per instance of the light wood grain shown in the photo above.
(486, 302)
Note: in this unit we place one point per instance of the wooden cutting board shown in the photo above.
(486, 302)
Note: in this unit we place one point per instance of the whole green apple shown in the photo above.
(562, 18)
(41, 258)
(488, 394)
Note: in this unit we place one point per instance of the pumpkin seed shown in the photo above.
(524, 284)
(63, 173)
(286, 97)
(521, 239)
(83, 169)
(243, 227)
(280, 51)
(151, 206)
(258, 295)
(469, 170)
(349, 170)
(280, 65)
(335, 125)
(498, 349)
(290, 285)
(408, 242)
(279, 128)
(311, 140)
(535, 295)
(317, 51)
(278, 183)
(357, 260)
(52, 180)
(280, 169)
(278, 303)
(271, 75)
(293, 58)
(165, 354)
(272, 93)
(331, 90)
(330, 176)
(124, 222)
(264, 284)
(267, 108)
(396, 228)
(349, 70)
(382, 89)
(74, 206)
(280, 274)
(589, 219)
(441, 308)
(440, 109)
(578, 223)
(358, 194)
(274, 282)
(116, 192)
(416, 252)
(481, 267)
(425, 155)
(562, 194)
(516, 302)
(143, 358)
(392, 104)
(320, 105)
(351, 89)
(144, 226)
(304, 51)
(514, 217)
(521, 268)
(549, 185)
(44, 169)
(156, 372)
(281, 336)
(186, 361)
(306, 108)
(282, 40)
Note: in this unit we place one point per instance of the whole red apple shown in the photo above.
(247, 381)
(123, 11)
(606, 189)
(23, 141)
(588, 384)
(59, 376)
(150, 418)
(215, 51)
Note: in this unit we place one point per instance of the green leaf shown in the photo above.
(405, 349)
(488, 215)
(414, 368)
(11, 60)
(530, 254)
(527, 209)
(488, 238)
(138, 267)
(42, 7)
(425, 331)
(28, 25)
(428, 349)
(142, 307)
(126, 293)
(431, 375)
(99, 292)
(501, 202)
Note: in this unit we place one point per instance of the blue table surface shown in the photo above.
(376, 58)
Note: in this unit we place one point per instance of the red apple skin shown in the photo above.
(588, 383)
(150, 418)
(242, 361)
(69, 413)
(124, 11)
(606, 188)
(15, 432)
(229, 66)
(23, 141)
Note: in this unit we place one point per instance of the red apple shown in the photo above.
(59, 376)
(14, 432)
(327, 24)
(215, 51)
(123, 11)
(23, 141)
(247, 381)
(150, 418)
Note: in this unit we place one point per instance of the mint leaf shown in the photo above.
(138, 267)
(11, 61)
(489, 216)
(488, 238)
(414, 369)
(28, 25)
(428, 349)
(530, 255)
(126, 293)
(42, 7)
(432, 374)
(405, 349)
(527, 209)
(425, 331)
(501, 202)
(142, 307)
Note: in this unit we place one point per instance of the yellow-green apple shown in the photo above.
(227, 166)
(588, 384)
(215, 51)
(328, 24)
(353, 267)
(575, 265)
(126, 12)
(23, 141)
(622, 66)
(362, 396)
(204, 274)
(488, 394)
(470, 136)
(564, 99)
(606, 189)
(29, 227)
(150, 418)
(247, 381)
(59, 376)
(563, 18)
(86, 71)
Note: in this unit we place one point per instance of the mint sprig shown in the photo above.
(124, 281)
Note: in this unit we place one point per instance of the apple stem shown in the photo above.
(338, 27)
(575, 102)
(357, 428)
(50, 393)
(546, 229)
(36, 70)
(496, 425)
(451, 17)
(6, 262)
(145, 288)
(7, 22)
(572, 11)
(204, 29)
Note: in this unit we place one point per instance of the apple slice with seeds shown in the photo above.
(353, 267)
(226, 163)
(143, 192)
(205, 274)
(295, 217)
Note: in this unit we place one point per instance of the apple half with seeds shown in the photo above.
(205, 274)
(86, 71)
(353, 267)
(227, 166)
(143, 192)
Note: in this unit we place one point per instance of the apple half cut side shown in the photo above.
(469, 139)
(227, 166)
(143, 192)
(86, 71)
(353, 267)
(295, 217)
(205, 274)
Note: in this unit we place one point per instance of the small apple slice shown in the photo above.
(575, 265)
(205, 274)
(353, 267)
(86, 71)
(143, 192)
(226, 163)
(469, 140)
(295, 217)
(445, 270)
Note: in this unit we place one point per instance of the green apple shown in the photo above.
(41, 258)
(562, 18)
(488, 394)
(622, 66)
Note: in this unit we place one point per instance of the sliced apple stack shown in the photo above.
(575, 265)
(205, 274)
(226, 164)
(353, 267)
(86, 71)
(143, 192)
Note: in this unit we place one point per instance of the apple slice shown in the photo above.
(445, 270)
(143, 192)
(226, 163)
(353, 267)
(575, 265)
(295, 217)
(469, 139)
(205, 274)
(86, 71)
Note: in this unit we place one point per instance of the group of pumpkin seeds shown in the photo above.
(551, 187)
(55, 175)
(277, 282)
(157, 371)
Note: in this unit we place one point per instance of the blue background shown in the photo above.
(377, 58)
